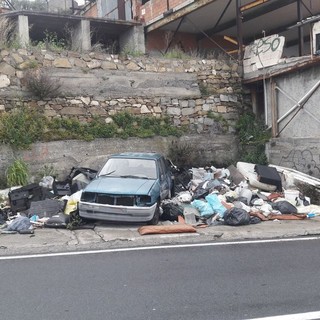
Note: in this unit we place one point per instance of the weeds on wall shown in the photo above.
(24, 126)
(132, 52)
(176, 53)
(253, 135)
(21, 127)
(39, 83)
(182, 154)
(217, 117)
(17, 173)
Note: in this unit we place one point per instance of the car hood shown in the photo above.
(114, 185)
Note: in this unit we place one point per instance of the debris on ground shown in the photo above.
(49, 203)
(241, 195)
(204, 197)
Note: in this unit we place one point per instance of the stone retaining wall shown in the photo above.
(174, 88)
(206, 95)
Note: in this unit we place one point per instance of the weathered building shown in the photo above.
(276, 42)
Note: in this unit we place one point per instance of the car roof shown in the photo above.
(137, 155)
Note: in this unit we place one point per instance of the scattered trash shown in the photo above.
(204, 197)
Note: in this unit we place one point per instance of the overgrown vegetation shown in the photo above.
(7, 35)
(217, 117)
(182, 154)
(24, 126)
(17, 173)
(127, 51)
(176, 53)
(41, 84)
(253, 135)
(53, 43)
(21, 127)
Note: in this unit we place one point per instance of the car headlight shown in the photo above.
(143, 200)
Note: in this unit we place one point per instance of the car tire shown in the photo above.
(156, 217)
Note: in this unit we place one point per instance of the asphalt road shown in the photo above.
(218, 282)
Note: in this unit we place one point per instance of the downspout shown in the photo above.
(239, 31)
(300, 29)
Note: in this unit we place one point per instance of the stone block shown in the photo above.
(222, 109)
(62, 63)
(144, 109)
(187, 111)
(131, 66)
(4, 81)
(73, 111)
(108, 65)
(7, 69)
(173, 111)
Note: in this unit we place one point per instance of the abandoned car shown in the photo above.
(128, 188)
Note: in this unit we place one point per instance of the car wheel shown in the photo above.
(156, 216)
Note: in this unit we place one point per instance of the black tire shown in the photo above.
(156, 217)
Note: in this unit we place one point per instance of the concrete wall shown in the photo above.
(297, 145)
(63, 155)
(292, 88)
(302, 154)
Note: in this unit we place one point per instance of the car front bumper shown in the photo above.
(116, 213)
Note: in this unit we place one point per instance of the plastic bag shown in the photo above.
(285, 207)
(19, 224)
(201, 191)
(171, 211)
(216, 205)
(203, 207)
(236, 217)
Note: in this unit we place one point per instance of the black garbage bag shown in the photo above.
(285, 207)
(171, 211)
(201, 191)
(236, 217)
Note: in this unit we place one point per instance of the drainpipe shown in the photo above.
(300, 29)
(239, 30)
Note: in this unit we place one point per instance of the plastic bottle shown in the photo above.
(311, 215)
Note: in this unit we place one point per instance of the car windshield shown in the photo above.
(129, 168)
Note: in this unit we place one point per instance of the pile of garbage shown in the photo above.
(49, 203)
(235, 196)
(242, 195)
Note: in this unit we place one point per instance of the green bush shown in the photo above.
(21, 127)
(253, 135)
(17, 173)
(24, 126)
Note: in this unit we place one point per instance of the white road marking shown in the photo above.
(298, 316)
(192, 245)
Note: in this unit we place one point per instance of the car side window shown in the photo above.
(163, 168)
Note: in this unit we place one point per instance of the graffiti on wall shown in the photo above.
(303, 161)
(264, 52)
(264, 45)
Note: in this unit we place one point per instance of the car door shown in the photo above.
(165, 179)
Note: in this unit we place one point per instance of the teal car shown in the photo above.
(128, 188)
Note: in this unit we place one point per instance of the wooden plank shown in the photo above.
(274, 109)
